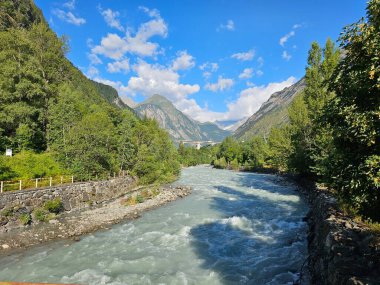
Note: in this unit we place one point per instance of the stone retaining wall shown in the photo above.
(341, 251)
(73, 196)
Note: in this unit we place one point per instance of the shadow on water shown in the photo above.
(246, 246)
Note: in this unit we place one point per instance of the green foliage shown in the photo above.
(220, 163)
(156, 159)
(7, 212)
(25, 219)
(229, 149)
(190, 156)
(354, 116)
(280, 147)
(40, 214)
(140, 199)
(53, 206)
(255, 152)
(27, 164)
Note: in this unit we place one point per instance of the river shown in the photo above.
(235, 228)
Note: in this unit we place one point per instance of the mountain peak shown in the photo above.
(179, 126)
(157, 99)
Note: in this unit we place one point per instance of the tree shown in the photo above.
(354, 115)
(229, 149)
(280, 147)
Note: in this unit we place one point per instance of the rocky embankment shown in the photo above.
(341, 251)
(76, 223)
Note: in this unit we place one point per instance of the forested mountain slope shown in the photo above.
(48, 107)
(274, 112)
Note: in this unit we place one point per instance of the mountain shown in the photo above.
(110, 94)
(273, 112)
(179, 126)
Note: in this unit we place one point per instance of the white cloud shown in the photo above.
(260, 61)
(154, 13)
(296, 26)
(69, 17)
(94, 59)
(117, 66)
(247, 73)
(183, 61)
(115, 47)
(221, 85)
(286, 55)
(111, 18)
(259, 73)
(156, 79)
(92, 71)
(244, 56)
(208, 68)
(246, 105)
(69, 5)
(230, 26)
(285, 38)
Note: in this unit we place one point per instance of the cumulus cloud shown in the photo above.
(208, 68)
(221, 85)
(94, 59)
(115, 47)
(285, 38)
(118, 66)
(286, 55)
(244, 56)
(92, 71)
(156, 79)
(69, 5)
(154, 13)
(183, 61)
(111, 18)
(229, 26)
(248, 102)
(69, 17)
(247, 73)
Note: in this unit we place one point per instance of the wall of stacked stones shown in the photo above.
(73, 196)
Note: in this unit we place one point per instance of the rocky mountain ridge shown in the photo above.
(179, 126)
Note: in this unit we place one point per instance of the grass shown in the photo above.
(25, 219)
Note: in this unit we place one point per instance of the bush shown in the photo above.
(40, 214)
(54, 206)
(131, 201)
(25, 219)
(27, 164)
(7, 212)
(139, 199)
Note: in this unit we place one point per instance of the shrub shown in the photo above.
(139, 198)
(7, 212)
(40, 214)
(25, 219)
(54, 206)
(131, 201)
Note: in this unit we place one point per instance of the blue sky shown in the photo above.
(214, 59)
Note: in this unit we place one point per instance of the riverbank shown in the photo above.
(341, 250)
(71, 225)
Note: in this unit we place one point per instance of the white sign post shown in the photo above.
(8, 152)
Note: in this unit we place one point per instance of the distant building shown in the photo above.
(8, 152)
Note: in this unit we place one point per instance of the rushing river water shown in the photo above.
(235, 228)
